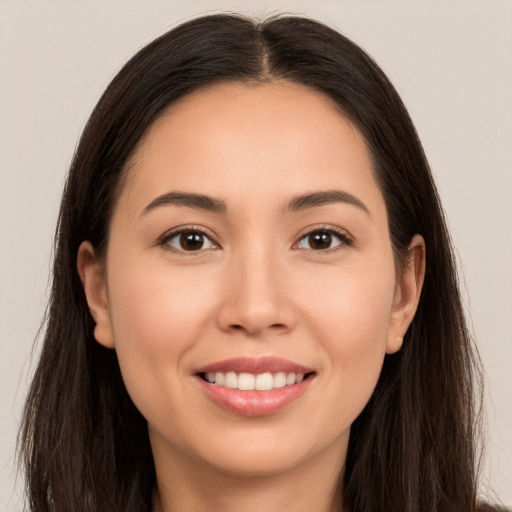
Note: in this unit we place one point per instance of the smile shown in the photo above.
(249, 382)
(254, 387)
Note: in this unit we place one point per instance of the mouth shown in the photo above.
(250, 382)
(254, 387)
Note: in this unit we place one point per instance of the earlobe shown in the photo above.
(407, 294)
(92, 275)
(394, 345)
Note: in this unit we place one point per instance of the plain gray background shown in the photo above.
(451, 62)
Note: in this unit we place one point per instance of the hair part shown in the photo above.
(85, 446)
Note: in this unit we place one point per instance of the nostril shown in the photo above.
(275, 327)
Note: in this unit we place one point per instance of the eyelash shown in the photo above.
(167, 237)
(344, 239)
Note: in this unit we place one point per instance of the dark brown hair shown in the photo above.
(84, 444)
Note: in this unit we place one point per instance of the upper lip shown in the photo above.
(255, 366)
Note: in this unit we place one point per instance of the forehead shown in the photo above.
(267, 111)
(238, 140)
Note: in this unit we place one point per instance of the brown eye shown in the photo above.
(321, 240)
(190, 240)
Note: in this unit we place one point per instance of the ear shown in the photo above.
(92, 275)
(407, 294)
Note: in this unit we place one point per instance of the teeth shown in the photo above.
(280, 380)
(230, 380)
(246, 381)
(250, 382)
(264, 382)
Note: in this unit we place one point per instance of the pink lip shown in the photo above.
(254, 403)
(255, 366)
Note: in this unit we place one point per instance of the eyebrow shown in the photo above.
(210, 204)
(189, 200)
(313, 199)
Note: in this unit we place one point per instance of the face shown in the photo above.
(249, 248)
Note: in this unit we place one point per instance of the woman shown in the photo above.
(254, 301)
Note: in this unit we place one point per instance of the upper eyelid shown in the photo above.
(324, 227)
(186, 227)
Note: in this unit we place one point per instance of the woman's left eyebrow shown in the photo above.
(189, 200)
(314, 199)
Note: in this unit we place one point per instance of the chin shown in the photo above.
(240, 463)
(268, 452)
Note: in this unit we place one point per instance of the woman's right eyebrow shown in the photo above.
(189, 200)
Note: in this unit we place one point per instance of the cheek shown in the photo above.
(353, 304)
(155, 303)
(156, 317)
(352, 320)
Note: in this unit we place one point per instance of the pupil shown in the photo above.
(320, 240)
(191, 241)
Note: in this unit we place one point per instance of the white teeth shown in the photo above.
(246, 381)
(280, 380)
(230, 380)
(249, 382)
(264, 382)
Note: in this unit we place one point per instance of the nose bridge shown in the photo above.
(256, 297)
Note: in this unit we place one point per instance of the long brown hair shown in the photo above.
(84, 444)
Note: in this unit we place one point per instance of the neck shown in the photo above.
(184, 485)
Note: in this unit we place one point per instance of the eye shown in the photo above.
(189, 240)
(323, 240)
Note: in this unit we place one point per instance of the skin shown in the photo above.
(258, 290)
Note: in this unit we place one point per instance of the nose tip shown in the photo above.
(256, 300)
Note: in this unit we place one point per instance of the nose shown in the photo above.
(256, 298)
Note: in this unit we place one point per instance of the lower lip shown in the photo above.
(254, 403)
